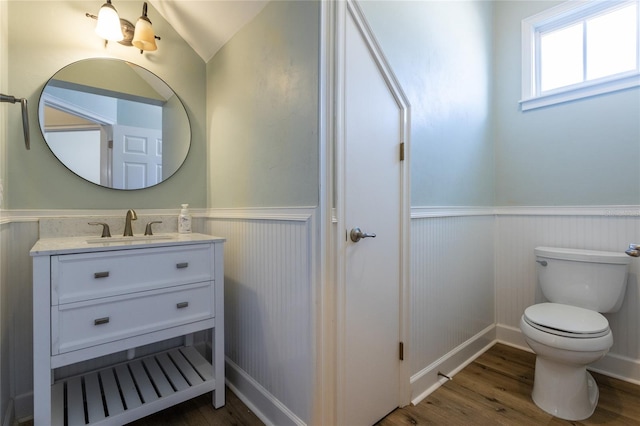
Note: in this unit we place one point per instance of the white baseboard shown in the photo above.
(23, 406)
(9, 418)
(264, 405)
(427, 380)
(511, 336)
(618, 367)
(19, 409)
(612, 365)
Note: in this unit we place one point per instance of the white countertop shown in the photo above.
(85, 244)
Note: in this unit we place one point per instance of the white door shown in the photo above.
(137, 157)
(373, 203)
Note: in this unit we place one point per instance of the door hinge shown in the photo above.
(401, 151)
(401, 351)
(110, 144)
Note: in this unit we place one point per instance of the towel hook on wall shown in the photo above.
(25, 116)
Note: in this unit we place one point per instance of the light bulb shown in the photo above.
(108, 26)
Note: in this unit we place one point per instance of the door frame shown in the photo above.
(332, 153)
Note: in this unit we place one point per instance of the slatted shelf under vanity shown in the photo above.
(128, 391)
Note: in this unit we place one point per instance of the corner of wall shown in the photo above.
(6, 411)
(430, 378)
(4, 58)
(8, 419)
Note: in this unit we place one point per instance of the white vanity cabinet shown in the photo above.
(91, 300)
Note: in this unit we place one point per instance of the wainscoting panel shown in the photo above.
(269, 308)
(452, 296)
(6, 406)
(17, 295)
(516, 281)
(458, 259)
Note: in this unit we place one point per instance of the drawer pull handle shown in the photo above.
(101, 321)
(182, 305)
(182, 265)
(101, 274)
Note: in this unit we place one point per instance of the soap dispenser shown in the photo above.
(184, 220)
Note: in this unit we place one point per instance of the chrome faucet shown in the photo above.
(633, 250)
(131, 215)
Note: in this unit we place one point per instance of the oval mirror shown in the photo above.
(114, 123)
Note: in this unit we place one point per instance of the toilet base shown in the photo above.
(567, 391)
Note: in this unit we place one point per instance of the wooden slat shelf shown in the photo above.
(129, 391)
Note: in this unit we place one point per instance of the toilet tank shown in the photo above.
(595, 280)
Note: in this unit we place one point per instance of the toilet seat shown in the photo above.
(566, 320)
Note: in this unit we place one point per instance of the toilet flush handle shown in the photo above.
(542, 262)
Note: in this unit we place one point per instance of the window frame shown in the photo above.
(557, 17)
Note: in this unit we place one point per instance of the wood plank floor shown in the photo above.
(495, 389)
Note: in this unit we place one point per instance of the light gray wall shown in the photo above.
(585, 152)
(441, 53)
(44, 36)
(5, 366)
(129, 113)
(262, 108)
(4, 89)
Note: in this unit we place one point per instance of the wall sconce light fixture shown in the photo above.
(143, 37)
(113, 28)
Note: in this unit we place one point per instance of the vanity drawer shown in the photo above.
(83, 324)
(86, 276)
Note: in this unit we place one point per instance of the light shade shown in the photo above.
(108, 26)
(143, 37)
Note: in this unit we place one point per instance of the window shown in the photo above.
(580, 49)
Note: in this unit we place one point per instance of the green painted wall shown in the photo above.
(262, 109)
(459, 63)
(441, 53)
(4, 89)
(585, 152)
(44, 36)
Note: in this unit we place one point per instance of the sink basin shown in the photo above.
(139, 238)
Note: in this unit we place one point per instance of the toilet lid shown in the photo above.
(567, 320)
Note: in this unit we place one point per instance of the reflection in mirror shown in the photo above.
(114, 123)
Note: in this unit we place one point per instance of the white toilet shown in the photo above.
(569, 333)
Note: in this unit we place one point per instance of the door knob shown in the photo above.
(357, 234)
